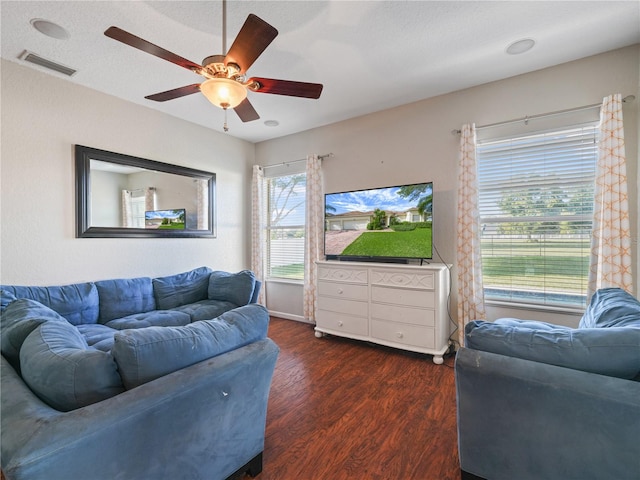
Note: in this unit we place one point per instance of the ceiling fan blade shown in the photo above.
(175, 93)
(246, 112)
(148, 47)
(254, 37)
(286, 87)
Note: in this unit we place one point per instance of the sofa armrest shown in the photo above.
(528, 420)
(204, 421)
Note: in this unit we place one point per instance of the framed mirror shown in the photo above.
(119, 195)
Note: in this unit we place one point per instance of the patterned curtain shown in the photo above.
(257, 228)
(610, 263)
(314, 230)
(202, 204)
(468, 259)
(150, 198)
(127, 214)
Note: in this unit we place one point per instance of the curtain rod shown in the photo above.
(627, 99)
(321, 157)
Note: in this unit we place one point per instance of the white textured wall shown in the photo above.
(43, 117)
(413, 143)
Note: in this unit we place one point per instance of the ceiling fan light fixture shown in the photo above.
(224, 92)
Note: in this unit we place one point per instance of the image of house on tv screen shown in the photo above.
(165, 219)
(391, 222)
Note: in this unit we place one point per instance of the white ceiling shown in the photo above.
(370, 55)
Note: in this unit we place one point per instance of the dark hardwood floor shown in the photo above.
(342, 409)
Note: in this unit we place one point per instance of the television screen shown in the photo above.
(380, 223)
(165, 219)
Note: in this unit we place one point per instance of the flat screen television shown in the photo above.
(165, 219)
(389, 224)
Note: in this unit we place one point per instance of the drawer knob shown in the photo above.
(340, 323)
(399, 334)
(339, 291)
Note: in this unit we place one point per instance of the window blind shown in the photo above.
(536, 205)
(285, 201)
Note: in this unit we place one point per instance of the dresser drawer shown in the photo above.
(403, 333)
(403, 296)
(407, 278)
(396, 313)
(347, 291)
(338, 305)
(342, 274)
(339, 322)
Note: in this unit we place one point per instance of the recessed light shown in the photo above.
(271, 123)
(520, 46)
(49, 29)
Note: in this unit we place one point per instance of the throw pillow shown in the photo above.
(611, 351)
(611, 307)
(64, 371)
(236, 288)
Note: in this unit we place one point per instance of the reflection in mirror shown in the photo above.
(120, 195)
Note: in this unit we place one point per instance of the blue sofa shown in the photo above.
(135, 378)
(540, 401)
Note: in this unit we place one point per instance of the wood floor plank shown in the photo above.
(342, 409)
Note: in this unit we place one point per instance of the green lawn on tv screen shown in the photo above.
(387, 243)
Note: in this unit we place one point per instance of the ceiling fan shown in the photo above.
(226, 84)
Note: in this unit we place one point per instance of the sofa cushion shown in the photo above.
(206, 309)
(126, 296)
(236, 288)
(181, 289)
(19, 319)
(154, 318)
(611, 307)
(98, 336)
(611, 351)
(146, 354)
(78, 303)
(64, 371)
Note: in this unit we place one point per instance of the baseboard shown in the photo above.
(288, 316)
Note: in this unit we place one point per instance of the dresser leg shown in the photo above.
(438, 359)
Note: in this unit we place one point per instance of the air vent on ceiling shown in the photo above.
(43, 62)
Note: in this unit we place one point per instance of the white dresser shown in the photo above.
(402, 306)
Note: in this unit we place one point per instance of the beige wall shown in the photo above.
(43, 117)
(414, 143)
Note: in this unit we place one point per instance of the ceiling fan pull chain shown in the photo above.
(225, 127)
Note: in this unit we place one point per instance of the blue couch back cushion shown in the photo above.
(126, 296)
(18, 320)
(78, 303)
(64, 371)
(613, 351)
(236, 288)
(149, 353)
(181, 289)
(611, 307)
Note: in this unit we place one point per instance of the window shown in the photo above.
(285, 201)
(536, 204)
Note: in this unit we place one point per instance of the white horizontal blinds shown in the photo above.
(536, 204)
(285, 225)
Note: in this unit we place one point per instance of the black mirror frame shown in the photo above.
(83, 157)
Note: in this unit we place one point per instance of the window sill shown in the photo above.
(290, 281)
(579, 311)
